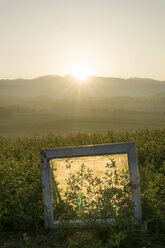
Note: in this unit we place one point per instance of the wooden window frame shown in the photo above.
(46, 155)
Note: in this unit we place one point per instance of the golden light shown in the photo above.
(80, 73)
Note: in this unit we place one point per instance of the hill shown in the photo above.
(62, 105)
(69, 87)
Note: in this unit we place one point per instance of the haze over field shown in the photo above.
(65, 105)
(95, 94)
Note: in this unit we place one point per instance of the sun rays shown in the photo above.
(81, 73)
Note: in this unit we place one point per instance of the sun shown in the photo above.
(80, 73)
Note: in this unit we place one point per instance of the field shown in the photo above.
(42, 123)
(21, 208)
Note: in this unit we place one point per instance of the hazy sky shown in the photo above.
(119, 38)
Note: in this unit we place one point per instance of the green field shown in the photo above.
(21, 206)
(44, 123)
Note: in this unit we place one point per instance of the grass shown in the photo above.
(21, 207)
(43, 123)
(85, 238)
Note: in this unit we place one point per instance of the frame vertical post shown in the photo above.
(47, 191)
(134, 180)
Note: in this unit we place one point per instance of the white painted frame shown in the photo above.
(46, 155)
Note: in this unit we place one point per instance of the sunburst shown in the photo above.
(80, 73)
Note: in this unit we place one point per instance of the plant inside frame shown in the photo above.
(87, 196)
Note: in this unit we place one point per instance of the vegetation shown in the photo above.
(25, 124)
(90, 197)
(76, 111)
(21, 210)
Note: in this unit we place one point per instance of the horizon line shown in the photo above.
(70, 75)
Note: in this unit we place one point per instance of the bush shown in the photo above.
(21, 191)
(89, 197)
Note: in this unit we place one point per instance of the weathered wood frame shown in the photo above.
(93, 150)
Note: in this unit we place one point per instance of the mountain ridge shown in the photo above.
(69, 87)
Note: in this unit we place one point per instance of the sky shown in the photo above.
(110, 38)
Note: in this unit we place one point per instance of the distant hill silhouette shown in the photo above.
(67, 87)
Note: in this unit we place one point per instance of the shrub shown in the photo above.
(21, 191)
(88, 196)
